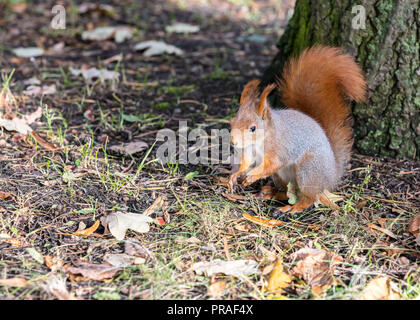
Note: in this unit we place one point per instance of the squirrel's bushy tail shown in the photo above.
(315, 83)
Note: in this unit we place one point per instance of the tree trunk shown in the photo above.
(388, 51)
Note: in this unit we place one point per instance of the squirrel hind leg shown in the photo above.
(277, 192)
(272, 192)
(302, 204)
(310, 179)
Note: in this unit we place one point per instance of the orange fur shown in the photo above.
(315, 83)
(263, 97)
(251, 88)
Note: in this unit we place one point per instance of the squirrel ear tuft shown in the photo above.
(249, 89)
(263, 99)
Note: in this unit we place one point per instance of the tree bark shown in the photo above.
(388, 51)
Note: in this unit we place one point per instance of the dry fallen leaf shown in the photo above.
(262, 221)
(278, 279)
(14, 282)
(215, 290)
(181, 239)
(87, 232)
(155, 205)
(182, 28)
(7, 99)
(98, 272)
(96, 7)
(153, 48)
(315, 266)
(414, 226)
(117, 57)
(56, 286)
(118, 33)
(54, 263)
(118, 223)
(242, 227)
(329, 199)
(11, 241)
(5, 195)
(30, 52)
(237, 268)
(16, 124)
(380, 288)
(32, 117)
(160, 221)
(36, 255)
(129, 148)
(221, 181)
(119, 259)
(42, 142)
(269, 255)
(135, 248)
(37, 90)
(93, 73)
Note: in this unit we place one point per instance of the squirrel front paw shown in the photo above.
(249, 179)
(233, 180)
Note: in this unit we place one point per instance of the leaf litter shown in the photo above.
(119, 222)
(154, 48)
(237, 268)
(316, 267)
(98, 272)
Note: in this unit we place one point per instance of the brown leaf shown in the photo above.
(215, 290)
(32, 117)
(414, 226)
(56, 286)
(88, 114)
(129, 148)
(315, 266)
(242, 227)
(262, 221)
(54, 263)
(278, 279)
(117, 57)
(135, 248)
(380, 288)
(155, 205)
(5, 195)
(270, 256)
(221, 181)
(98, 272)
(13, 282)
(13, 242)
(160, 221)
(165, 212)
(41, 141)
(119, 259)
(87, 232)
(361, 204)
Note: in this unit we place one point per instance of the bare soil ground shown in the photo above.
(46, 194)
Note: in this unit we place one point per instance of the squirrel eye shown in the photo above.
(252, 129)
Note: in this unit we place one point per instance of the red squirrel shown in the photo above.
(309, 143)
